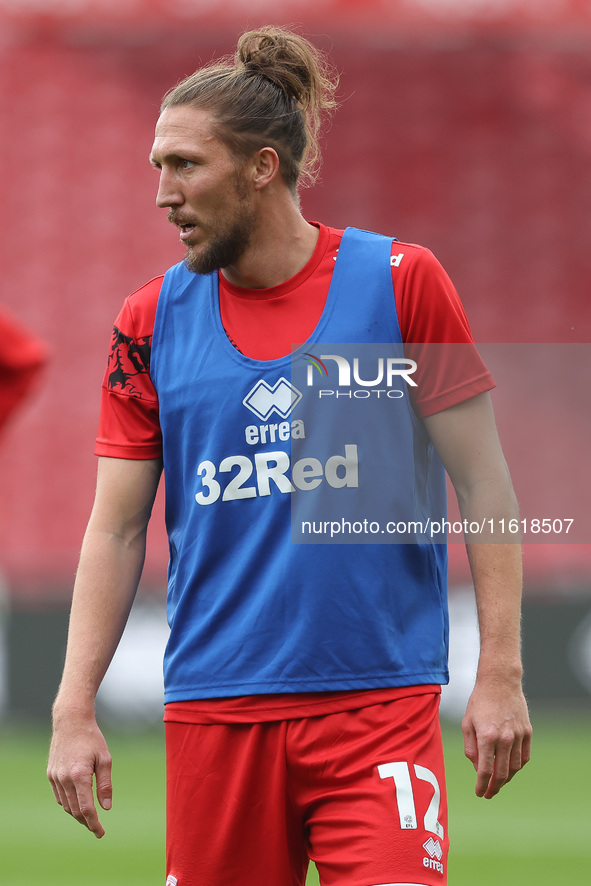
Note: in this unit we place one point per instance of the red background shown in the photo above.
(467, 132)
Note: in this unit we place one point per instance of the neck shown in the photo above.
(282, 243)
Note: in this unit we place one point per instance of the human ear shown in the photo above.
(265, 167)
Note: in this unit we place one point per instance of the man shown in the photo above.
(22, 357)
(302, 681)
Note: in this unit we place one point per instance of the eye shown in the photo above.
(186, 164)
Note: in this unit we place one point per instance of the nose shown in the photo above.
(169, 193)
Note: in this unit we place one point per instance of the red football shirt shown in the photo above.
(22, 355)
(265, 324)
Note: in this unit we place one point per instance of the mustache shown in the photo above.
(176, 218)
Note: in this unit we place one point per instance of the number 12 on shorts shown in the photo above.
(405, 798)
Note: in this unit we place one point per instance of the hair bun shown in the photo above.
(282, 57)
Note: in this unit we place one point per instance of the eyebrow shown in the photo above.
(173, 156)
(157, 159)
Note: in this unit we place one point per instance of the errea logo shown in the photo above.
(264, 399)
(433, 849)
(171, 881)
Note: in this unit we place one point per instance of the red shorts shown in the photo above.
(360, 792)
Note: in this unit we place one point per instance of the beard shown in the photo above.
(228, 240)
(225, 247)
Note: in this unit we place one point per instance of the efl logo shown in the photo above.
(264, 400)
(387, 370)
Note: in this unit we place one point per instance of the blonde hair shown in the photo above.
(273, 92)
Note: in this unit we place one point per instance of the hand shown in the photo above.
(78, 754)
(497, 733)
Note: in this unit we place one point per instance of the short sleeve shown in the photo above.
(435, 331)
(129, 426)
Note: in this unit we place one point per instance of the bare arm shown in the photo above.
(110, 566)
(497, 731)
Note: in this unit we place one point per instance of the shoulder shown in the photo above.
(429, 307)
(20, 348)
(412, 257)
(416, 269)
(146, 297)
(137, 316)
(405, 256)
